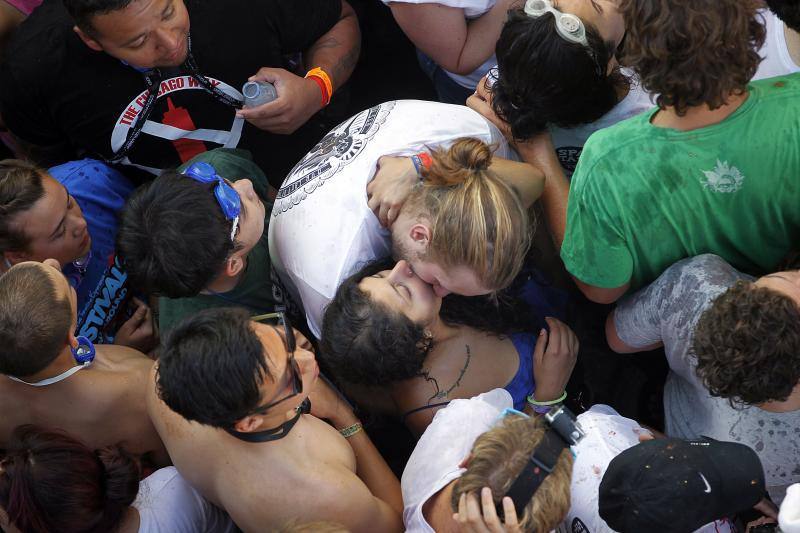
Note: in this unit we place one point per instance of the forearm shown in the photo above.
(527, 180)
(337, 51)
(481, 38)
(556, 188)
(447, 37)
(370, 465)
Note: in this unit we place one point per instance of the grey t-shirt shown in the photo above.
(667, 311)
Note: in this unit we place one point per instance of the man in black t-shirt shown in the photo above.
(77, 75)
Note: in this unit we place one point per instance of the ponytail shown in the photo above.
(477, 220)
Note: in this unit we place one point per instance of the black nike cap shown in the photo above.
(672, 485)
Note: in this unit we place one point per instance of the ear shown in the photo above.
(87, 40)
(234, 265)
(72, 340)
(420, 234)
(247, 424)
(302, 342)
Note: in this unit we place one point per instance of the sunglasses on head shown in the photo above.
(227, 197)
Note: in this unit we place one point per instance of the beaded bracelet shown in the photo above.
(349, 431)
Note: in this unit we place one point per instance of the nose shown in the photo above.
(80, 227)
(168, 39)
(401, 271)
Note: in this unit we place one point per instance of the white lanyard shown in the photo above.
(55, 379)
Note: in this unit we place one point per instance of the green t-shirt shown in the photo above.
(257, 290)
(644, 197)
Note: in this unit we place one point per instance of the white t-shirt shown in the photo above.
(667, 311)
(789, 516)
(472, 10)
(777, 60)
(322, 229)
(446, 442)
(454, 429)
(569, 142)
(168, 504)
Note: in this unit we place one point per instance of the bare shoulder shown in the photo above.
(122, 358)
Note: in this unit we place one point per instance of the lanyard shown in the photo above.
(153, 78)
(54, 379)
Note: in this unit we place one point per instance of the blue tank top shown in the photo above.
(544, 300)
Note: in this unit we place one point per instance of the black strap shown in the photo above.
(153, 79)
(540, 464)
(423, 408)
(273, 433)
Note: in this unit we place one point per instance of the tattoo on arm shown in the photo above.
(346, 61)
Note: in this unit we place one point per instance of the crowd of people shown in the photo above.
(217, 316)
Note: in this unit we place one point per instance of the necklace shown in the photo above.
(440, 394)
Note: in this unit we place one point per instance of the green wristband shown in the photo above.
(532, 400)
(349, 431)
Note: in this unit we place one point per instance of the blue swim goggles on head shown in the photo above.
(227, 197)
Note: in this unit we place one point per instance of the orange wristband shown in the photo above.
(322, 79)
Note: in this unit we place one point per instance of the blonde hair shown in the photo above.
(497, 458)
(477, 220)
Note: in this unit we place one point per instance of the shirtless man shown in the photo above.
(229, 396)
(46, 379)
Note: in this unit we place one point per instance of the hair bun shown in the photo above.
(122, 472)
(471, 153)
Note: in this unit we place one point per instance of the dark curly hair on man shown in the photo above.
(544, 79)
(747, 345)
(788, 11)
(692, 52)
(365, 343)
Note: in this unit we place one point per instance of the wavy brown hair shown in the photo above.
(747, 345)
(692, 52)
(496, 460)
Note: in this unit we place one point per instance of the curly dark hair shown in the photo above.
(544, 79)
(788, 11)
(747, 345)
(364, 342)
(692, 52)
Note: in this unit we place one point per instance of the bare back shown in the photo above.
(101, 405)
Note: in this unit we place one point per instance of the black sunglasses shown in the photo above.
(290, 344)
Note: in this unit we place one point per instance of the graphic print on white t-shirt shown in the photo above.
(334, 152)
(178, 126)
